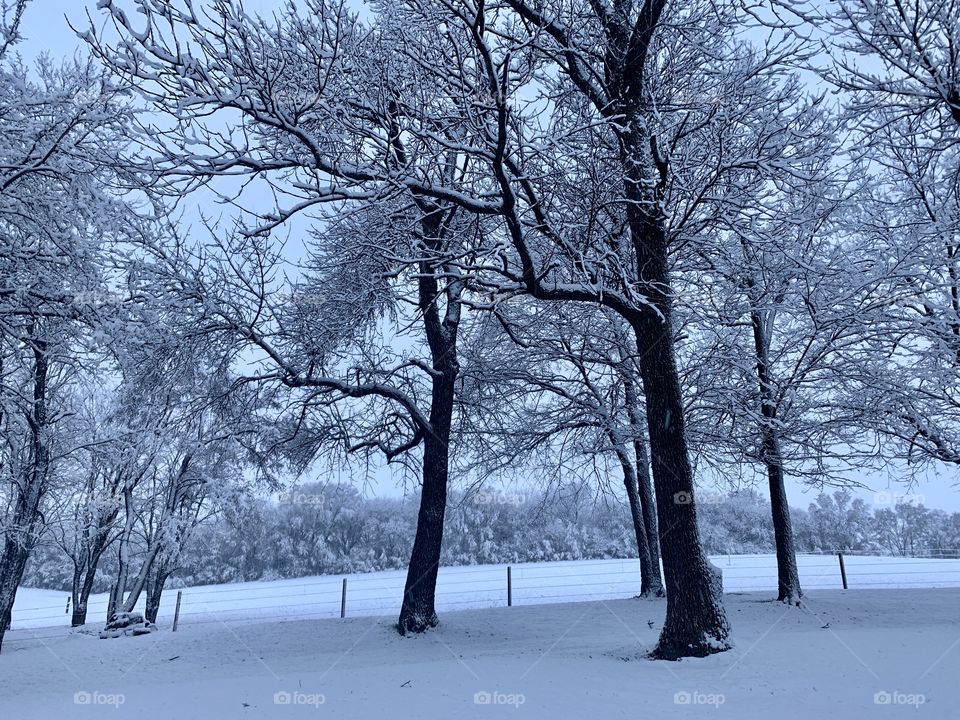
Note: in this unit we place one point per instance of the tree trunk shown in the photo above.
(123, 554)
(645, 484)
(696, 624)
(84, 577)
(788, 576)
(648, 504)
(419, 612)
(12, 564)
(141, 580)
(22, 530)
(649, 575)
(81, 596)
(155, 594)
(75, 581)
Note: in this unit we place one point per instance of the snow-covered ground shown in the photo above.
(485, 586)
(857, 654)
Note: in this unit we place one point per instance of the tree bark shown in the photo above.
(123, 554)
(788, 576)
(696, 624)
(645, 484)
(81, 594)
(418, 612)
(155, 593)
(21, 535)
(649, 575)
(85, 574)
(141, 580)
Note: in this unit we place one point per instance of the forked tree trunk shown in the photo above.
(115, 599)
(83, 578)
(81, 596)
(648, 502)
(140, 582)
(788, 576)
(649, 574)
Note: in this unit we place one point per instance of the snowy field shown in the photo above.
(864, 654)
(480, 586)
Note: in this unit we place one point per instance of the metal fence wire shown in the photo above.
(481, 586)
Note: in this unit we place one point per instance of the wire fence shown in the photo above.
(38, 612)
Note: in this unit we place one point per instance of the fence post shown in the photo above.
(67, 611)
(843, 570)
(509, 586)
(176, 613)
(343, 600)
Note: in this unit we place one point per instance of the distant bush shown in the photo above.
(326, 529)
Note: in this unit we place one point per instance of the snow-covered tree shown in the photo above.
(60, 209)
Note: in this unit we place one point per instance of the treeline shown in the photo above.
(324, 529)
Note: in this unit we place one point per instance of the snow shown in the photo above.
(857, 654)
(480, 586)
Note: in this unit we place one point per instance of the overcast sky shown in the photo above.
(46, 30)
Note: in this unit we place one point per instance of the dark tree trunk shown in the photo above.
(648, 504)
(155, 594)
(75, 582)
(12, 564)
(696, 624)
(645, 484)
(788, 576)
(418, 612)
(83, 579)
(115, 601)
(21, 535)
(649, 574)
(140, 582)
(81, 597)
